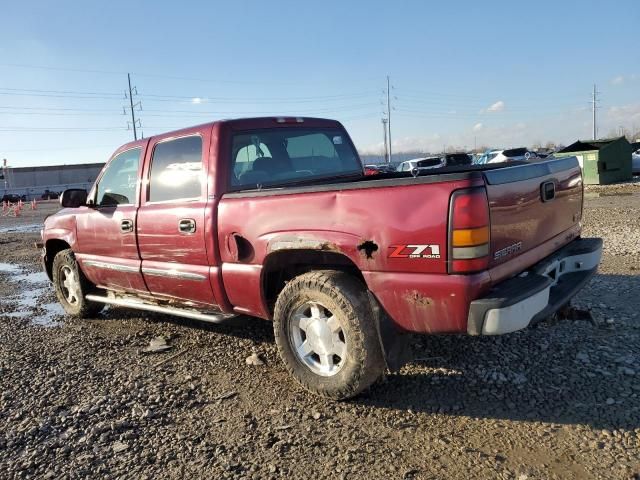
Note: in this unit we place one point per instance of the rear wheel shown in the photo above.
(326, 336)
(72, 286)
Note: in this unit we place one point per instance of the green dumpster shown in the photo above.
(603, 161)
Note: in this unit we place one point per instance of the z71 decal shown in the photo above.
(415, 251)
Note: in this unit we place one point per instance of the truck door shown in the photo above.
(171, 220)
(106, 238)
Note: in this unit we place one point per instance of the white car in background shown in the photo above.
(421, 164)
(513, 155)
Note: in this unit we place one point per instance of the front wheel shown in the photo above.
(72, 286)
(326, 336)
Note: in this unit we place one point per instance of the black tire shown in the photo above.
(65, 265)
(345, 298)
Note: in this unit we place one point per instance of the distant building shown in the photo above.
(33, 181)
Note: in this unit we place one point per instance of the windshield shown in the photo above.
(283, 155)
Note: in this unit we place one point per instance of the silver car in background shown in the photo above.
(514, 155)
(421, 164)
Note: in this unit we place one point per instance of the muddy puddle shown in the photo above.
(30, 287)
(33, 228)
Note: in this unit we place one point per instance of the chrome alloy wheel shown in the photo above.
(318, 339)
(70, 285)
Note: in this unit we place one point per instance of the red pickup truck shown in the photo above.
(274, 217)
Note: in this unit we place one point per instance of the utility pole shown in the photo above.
(5, 174)
(384, 132)
(593, 109)
(389, 114)
(134, 123)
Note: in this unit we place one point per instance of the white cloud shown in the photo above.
(496, 107)
(625, 114)
(624, 79)
(196, 100)
(477, 127)
(619, 80)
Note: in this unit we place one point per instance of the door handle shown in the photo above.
(187, 225)
(548, 191)
(126, 226)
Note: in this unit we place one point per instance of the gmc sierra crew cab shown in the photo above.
(274, 218)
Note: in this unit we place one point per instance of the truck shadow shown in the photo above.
(566, 372)
(563, 372)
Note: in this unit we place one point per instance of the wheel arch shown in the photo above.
(52, 248)
(281, 266)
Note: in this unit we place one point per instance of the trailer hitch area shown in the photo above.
(568, 312)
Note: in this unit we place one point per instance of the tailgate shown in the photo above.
(530, 204)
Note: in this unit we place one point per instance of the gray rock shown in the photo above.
(118, 447)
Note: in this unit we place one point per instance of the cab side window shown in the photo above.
(117, 186)
(176, 170)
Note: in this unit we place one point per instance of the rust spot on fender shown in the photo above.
(418, 299)
(367, 248)
(303, 244)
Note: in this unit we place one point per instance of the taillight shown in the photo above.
(469, 234)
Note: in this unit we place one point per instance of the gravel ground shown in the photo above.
(81, 399)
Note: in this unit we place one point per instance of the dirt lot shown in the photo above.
(78, 398)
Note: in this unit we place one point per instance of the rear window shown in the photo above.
(284, 155)
(458, 159)
(515, 152)
(429, 162)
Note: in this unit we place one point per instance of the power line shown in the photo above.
(55, 109)
(64, 114)
(49, 95)
(65, 149)
(62, 69)
(44, 111)
(190, 98)
(217, 99)
(60, 129)
(425, 93)
(483, 105)
(157, 75)
(60, 91)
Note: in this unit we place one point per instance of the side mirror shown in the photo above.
(73, 198)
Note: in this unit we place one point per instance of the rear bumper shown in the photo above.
(537, 293)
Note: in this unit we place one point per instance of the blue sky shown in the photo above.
(489, 73)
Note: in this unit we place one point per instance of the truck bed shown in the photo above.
(366, 220)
